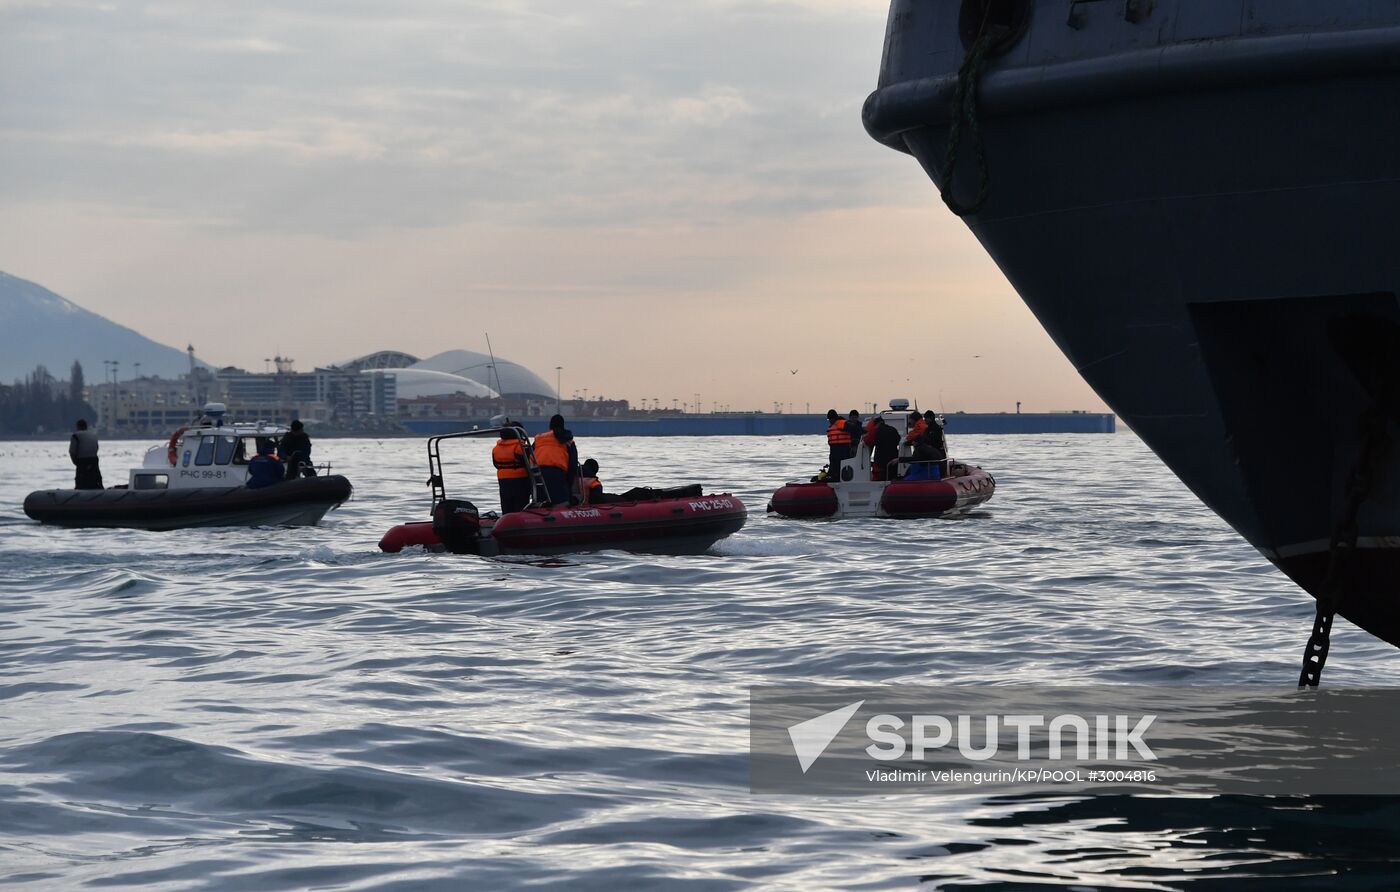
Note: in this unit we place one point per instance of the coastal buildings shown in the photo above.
(395, 392)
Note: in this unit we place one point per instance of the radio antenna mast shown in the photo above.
(491, 353)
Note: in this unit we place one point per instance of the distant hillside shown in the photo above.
(37, 326)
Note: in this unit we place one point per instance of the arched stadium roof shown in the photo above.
(380, 359)
(415, 383)
(510, 378)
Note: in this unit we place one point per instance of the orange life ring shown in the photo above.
(174, 452)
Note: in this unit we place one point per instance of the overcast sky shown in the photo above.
(664, 198)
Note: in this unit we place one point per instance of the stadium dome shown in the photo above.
(382, 360)
(416, 383)
(510, 378)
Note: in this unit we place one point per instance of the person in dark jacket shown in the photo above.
(295, 450)
(265, 469)
(557, 456)
(883, 441)
(930, 449)
(854, 426)
(82, 449)
(857, 431)
(934, 438)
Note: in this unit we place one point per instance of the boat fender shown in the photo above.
(458, 524)
(173, 453)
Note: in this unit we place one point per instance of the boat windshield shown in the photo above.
(205, 455)
(223, 451)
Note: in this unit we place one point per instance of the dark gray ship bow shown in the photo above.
(1200, 201)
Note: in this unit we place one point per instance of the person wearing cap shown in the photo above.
(295, 450)
(839, 440)
(264, 469)
(512, 476)
(557, 456)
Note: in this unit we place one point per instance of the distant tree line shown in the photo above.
(42, 403)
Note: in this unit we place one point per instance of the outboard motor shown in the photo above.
(457, 524)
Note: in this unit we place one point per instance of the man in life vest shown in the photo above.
(557, 457)
(839, 440)
(930, 449)
(914, 430)
(591, 488)
(512, 477)
(916, 427)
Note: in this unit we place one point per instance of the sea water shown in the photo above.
(289, 708)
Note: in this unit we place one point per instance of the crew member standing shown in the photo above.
(82, 449)
(295, 450)
(853, 425)
(883, 441)
(934, 437)
(558, 459)
(917, 426)
(839, 440)
(512, 476)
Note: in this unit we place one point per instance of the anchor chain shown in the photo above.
(965, 112)
(1374, 441)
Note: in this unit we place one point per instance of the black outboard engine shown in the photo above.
(458, 524)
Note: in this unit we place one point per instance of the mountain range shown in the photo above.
(38, 326)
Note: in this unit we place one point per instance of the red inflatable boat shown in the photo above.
(920, 498)
(662, 521)
(665, 526)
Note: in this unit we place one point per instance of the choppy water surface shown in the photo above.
(269, 709)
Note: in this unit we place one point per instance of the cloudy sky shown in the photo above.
(664, 198)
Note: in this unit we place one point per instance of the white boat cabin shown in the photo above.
(211, 452)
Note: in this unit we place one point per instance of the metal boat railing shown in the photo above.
(539, 493)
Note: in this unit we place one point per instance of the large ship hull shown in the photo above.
(1200, 204)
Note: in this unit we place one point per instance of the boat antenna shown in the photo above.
(491, 353)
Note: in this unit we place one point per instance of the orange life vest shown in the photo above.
(509, 460)
(838, 434)
(587, 486)
(550, 453)
(919, 429)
